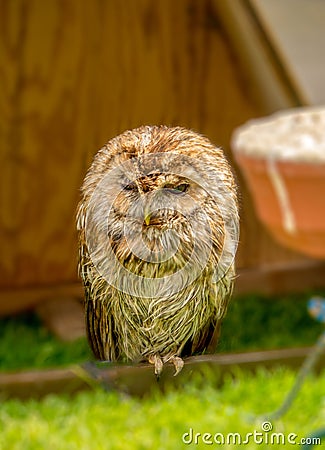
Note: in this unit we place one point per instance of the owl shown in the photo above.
(158, 232)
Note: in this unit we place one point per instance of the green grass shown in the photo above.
(26, 343)
(98, 420)
(252, 323)
(257, 322)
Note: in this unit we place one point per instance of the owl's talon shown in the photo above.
(176, 361)
(158, 363)
(178, 364)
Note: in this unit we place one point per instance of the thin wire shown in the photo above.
(308, 365)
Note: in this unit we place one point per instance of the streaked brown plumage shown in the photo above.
(158, 225)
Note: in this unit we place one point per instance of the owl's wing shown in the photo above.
(99, 322)
(206, 340)
(100, 328)
(221, 284)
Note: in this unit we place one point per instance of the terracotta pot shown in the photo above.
(289, 198)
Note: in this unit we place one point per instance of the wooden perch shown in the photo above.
(139, 379)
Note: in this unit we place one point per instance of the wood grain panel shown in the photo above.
(74, 74)
(43, 115)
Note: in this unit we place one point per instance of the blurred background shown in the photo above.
(74, 74)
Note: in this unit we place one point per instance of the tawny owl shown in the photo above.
(158, 231)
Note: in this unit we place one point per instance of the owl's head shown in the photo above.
(157, 197)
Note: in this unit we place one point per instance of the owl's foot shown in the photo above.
(178, 364)
(158, 363)
(177, 361)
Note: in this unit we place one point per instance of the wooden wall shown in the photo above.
(75, 73)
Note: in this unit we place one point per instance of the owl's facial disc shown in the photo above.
(154, 198)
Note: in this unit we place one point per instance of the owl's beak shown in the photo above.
(147, 218)
(147, 214)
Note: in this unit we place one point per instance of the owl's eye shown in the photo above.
(130, 187)
(182, 187)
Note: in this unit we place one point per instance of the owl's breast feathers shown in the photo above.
(127, 327)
